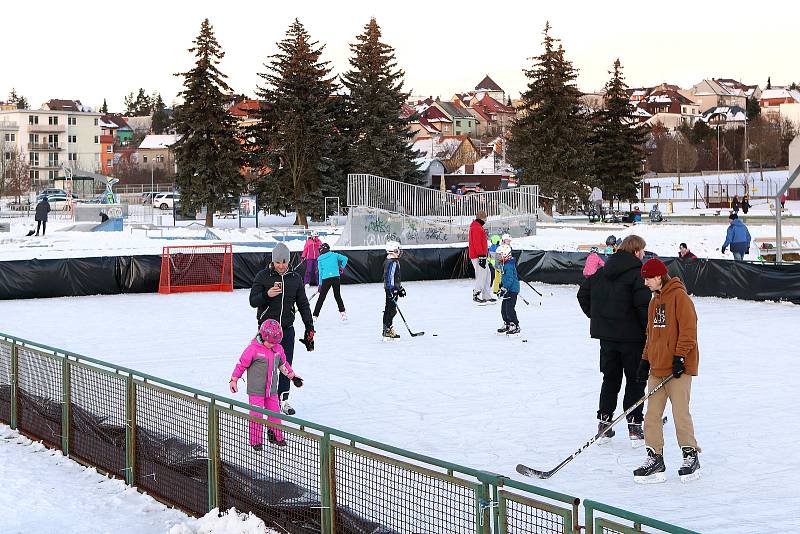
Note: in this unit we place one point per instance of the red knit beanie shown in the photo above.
(653, 268)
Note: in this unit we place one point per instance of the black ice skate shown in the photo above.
(257, 447)
(603, 424)
(476, 298)
(636, 433)
(491, 300)
(274, 440)
(691, 463)
(513, 330)
(503, 330)
(389, 334)
(286, 408)
(652, 471)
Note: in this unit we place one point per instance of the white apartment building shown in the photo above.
(52, 140)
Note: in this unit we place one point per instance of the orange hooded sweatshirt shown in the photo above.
(671, 330)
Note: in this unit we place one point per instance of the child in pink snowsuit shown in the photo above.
(593, 262)
(264, 359)
(310, 255)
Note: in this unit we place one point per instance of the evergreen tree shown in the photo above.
(769, 82)
(160, 119)
(208, 154)
(292, 144)
(104, 107)
(617, 142)
(550, 142)
(381, 140)
(137, 106)
(18, 100)
(753, 109)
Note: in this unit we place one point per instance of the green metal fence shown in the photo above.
(192, 449)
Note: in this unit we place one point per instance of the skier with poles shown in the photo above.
(509, 290)
(671, 349)
(331, 265)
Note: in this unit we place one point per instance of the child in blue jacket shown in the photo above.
(508, 291)
(330, 265)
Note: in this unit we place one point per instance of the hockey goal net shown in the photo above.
(196, 268)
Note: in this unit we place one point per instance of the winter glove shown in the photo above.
(297, 381)
(482, 262)
(678, 368)
(308, 339)
(723, 250)
(502, 293)
(399, 293)
(341, 270)
(644, 371)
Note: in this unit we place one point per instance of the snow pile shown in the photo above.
(230, 522)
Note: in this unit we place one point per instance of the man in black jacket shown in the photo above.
(616, 299)
(275, 293)
(42, 209)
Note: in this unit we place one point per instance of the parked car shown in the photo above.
(471, 187)
(165, 201)
(50, 192)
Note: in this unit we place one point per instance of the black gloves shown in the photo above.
(482, 262)
(644, 371)
(678, 368)
(297, 381)
(308, 339)
(502, 293)
(399, 292)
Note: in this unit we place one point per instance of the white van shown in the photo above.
(165, 201)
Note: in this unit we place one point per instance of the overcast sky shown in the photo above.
(90, 50)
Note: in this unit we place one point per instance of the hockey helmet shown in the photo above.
(611, 241)
(506, 238)
(495, 239)
(393, 246)
(271, 331)
(504, 251)
(323, 248)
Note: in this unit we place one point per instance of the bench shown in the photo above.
(790, 248)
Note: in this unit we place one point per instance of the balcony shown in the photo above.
(5, 125)
(106, 139)
(47, 128)
(49, 166)
(52, 147)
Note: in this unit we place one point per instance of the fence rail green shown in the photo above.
(194, 450)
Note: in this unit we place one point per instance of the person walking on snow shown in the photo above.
(671, 348)
(392, 287)
(310, 255)
(735, 204)
(478, 251)
(737, 237)
(275, 294)
(509, 291)
(331, 265)
(264, 359)
(615, 299)
(42, 209)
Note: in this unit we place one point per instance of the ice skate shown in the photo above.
(257, 447)
(603, 423)
(343, 315)
(476, 298)
(491, 300)
(503, 329)
(286, 408)
(691, 464)
(274, 440)
(513, 330)
(389, 334)
(636, 433)
(652, 471)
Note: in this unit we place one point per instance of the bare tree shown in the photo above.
(16, 172)
(678, 155)
(764, 139)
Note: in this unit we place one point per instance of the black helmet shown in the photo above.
(611, 241)
(323, 248)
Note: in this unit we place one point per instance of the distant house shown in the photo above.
(452, 151)
(57, 104)
(432, 168)
(499, 116)
(670, 108)
(710, 94)
(123, 132)
(107, 129)
(750, 91)
(488, 86)
(463, 122)
(155, 150)
(246, 112)
(725, 117)
(437, 119)
(771, 100)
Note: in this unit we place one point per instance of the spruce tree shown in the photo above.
(208, 153)
(618, 142)
(550, 142)
(160, 119)
(104, 107)
(292, 143)
(380, 138)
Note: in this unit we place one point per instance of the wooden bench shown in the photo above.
(790, 248)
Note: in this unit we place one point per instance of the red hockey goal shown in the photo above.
(196, 268)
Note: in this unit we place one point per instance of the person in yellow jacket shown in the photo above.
(670, 349)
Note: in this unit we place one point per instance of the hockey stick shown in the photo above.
(413, 334)
(521, 298)
(313, 296)
(530, 472)
(537, 291)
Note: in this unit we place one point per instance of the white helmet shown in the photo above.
(504, 251)
(393, 246)
(505, 237)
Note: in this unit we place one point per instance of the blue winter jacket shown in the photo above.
(738, 237)
(510, 280)
(328, 265)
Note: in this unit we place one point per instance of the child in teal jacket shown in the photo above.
(330, 265)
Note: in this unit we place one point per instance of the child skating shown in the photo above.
(509, 290)
(331, 265)
(392, 288)
(264, 359)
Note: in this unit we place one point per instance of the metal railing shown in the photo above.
(192, 449)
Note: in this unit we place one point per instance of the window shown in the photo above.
(10, 137)
(96, 121)
(52, 175)
(33, 119)
(34, 176)
(446, 128)
(108, 149)
(72, 121)
(33, 158)
(144, 159)
(458, 123)
(73, 156)
(7, 156)
(52, 140)
(52, 159)
(33, 138)
(159, 159)
(52, 120)
(72, 138)
(96, 139)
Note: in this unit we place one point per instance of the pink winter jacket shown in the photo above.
(593, 262)
(311, 250)
(263, 366)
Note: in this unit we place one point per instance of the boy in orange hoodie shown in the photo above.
(671, 348)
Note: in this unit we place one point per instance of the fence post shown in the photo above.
(484, 504)
(130, 431)
(65, 404)
(14, 381)
(328, 484)
(213, 455)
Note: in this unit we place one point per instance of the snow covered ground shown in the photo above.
(464, 395)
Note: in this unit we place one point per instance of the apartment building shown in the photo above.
(52, 140)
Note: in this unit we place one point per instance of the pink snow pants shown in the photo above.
(257, 429)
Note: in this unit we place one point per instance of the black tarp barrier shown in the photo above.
(22, 279)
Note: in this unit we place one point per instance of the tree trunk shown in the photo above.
(209, 217)
(300, 218)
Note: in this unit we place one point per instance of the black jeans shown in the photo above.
(288, 347)
(390, 310)
(328, 283)
(43, 225)
(617, 359)
(508, 308)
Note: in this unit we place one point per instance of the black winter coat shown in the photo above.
(282, 306)
(616, 300)
(42, 209)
